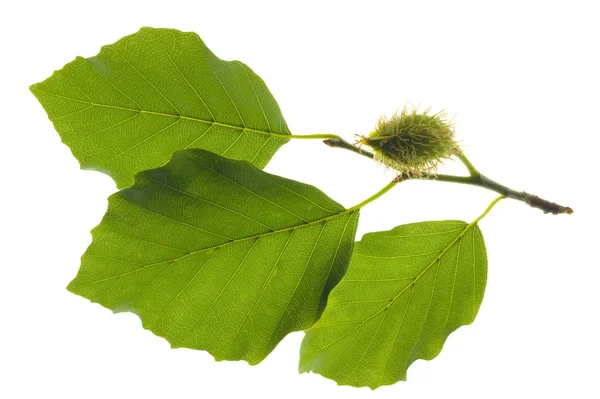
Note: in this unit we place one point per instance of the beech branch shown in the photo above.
(475, 178)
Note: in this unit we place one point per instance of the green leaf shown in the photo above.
(216, 254)
(405, 291)
(155, 92)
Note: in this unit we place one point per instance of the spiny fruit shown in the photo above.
(412, 143)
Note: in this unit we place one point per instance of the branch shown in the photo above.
(474, 179)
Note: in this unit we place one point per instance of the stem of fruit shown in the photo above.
(475, 178)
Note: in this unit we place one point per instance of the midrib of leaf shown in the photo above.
(437, 259)
(216, 247)
(232, 241)
(163, 114)
(416, 278)
(354, 209)
(179, 116)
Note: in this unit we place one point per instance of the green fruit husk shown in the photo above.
(412, 143)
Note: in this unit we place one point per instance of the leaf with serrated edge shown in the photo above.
(405, 291)
(155, 92)
(216, 254)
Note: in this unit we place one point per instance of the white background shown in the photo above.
(521, 79)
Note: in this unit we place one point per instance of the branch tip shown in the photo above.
(546, 206)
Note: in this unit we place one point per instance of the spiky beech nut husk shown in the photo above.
(412, 143)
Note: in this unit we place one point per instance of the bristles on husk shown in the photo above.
(412, 143)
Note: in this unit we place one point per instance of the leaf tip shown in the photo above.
(32, 88)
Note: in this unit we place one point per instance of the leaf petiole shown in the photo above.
(320, 136)
(378, 194)
(487, 210)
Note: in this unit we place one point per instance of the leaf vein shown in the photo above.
(209, 202)
(197, 323)
(144, 77)
(186, 79)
